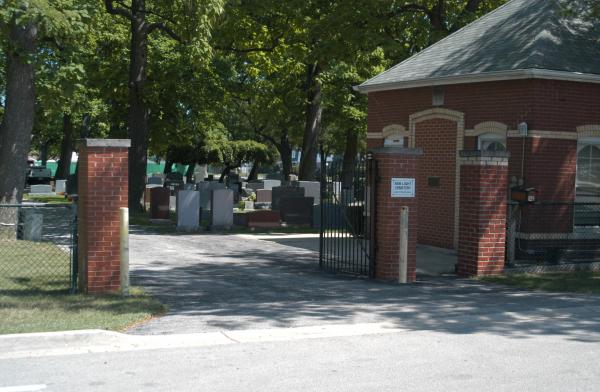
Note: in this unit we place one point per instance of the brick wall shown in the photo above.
(546, 105)
(103, 189)
(437, 139)
(400, 163)
(482, 223)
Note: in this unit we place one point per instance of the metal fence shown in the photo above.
(38, 248)
(347, 219)
(554, 232)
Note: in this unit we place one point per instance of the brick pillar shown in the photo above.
(482, 219)
(394, 163)
(102, 189)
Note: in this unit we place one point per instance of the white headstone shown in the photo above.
(188, 210)
(312, 189)
(270, 184)
(60, 187)
(221, 212)
(248, 205)
(41, 190)
(32, 227)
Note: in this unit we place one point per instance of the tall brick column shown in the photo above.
(102, 189)
(394, 163)
(482, 220)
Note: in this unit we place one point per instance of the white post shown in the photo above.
(403, 259)
(124, 250)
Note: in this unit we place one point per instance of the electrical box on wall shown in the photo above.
(523, 128)
(524, 195)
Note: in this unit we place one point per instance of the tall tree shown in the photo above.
(183, 21)
(23, 26)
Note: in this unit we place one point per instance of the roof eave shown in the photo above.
(481, 77)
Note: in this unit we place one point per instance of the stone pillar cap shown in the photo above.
(106, 142)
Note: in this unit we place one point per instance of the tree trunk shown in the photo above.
(312, 129)
(224, 173)
(253, 175)
(17, 124)
(190, 172)
(66, 149)
(44, 153)
(285, 151)
(138, 110)
(349, 158)
(168, 166)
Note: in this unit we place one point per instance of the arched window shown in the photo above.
(588, 167)
(492, 142)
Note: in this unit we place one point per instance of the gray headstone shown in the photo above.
(41, 190)
(32, 227)
(248, 205)
(188, 210)
(297, 210)
(255, 185)
(282, 192)
(172, 203)
(264, 196)
(312, 189)
(60, 186)
(155, 181)
(221, 213)
(189, 187)
(270, 184)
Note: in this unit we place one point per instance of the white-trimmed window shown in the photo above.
(588, 167)
(491, 142)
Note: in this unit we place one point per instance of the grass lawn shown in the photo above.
(34, 286)
(574, 282)
(47, 199)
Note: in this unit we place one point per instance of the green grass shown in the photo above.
(46, 199)
(34, 286)
(573, 282)
(22, 312)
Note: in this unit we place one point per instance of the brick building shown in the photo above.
(523, 79)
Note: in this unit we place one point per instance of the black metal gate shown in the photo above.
(348, 212)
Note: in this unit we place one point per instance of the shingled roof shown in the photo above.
(521, 39)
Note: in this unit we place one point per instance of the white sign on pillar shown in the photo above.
(403, 187)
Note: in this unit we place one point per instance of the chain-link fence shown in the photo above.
(554, 232)
(37, 247)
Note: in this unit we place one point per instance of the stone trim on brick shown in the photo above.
(459, 119)
(591, 130)
(106, 142)
(394, 129)
(488, 127)
(374, 135)
(544, 134)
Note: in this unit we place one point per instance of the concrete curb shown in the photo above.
(101, 341)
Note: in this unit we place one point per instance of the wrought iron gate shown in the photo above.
(348, 211)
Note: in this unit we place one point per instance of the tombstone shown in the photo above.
(60, 187)
(32, 226)
(41, 190)
(273, 176)
(264, 196)
(221, 212)
(292, 178)
(282, 192)
(263, 218)
(148, 194)
(255, 185)
(262, 206)
(155, 181)
(189, 187)
(200, 172)
(311, 189)
(297, 211)
(248, 205)
(188, 210)
(159, 203)
(270, 184)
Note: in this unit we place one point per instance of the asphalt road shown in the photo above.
(410, 360)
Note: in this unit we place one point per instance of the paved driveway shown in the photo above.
(227, 282)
